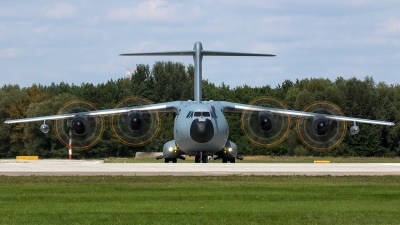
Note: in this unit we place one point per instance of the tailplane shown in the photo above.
(197, 54)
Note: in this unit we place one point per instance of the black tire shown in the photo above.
(204, 159)
(174, 160)
(166, 160)
(197, 159)
(232, 160)
(224, 160)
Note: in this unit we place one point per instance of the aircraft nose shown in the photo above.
(202, 131)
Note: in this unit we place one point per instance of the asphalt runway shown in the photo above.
(97, 167)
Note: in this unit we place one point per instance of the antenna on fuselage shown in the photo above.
(197, 54)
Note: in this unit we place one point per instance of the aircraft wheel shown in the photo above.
(232, 160)
(224, 160)
(166, 160)
(197, 159)
(174, 160)
(205, 159)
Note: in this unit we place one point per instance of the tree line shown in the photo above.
(171, 81)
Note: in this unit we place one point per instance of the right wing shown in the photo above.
(161, 107)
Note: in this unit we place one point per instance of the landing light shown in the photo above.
(230, 149)
(170, 149)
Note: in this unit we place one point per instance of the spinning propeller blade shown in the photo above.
(86, 131)
(265, 128)
(135, 128)
(319, 133)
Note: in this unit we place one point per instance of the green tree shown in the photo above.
(19, 109)
(9, 94)
(36, 142)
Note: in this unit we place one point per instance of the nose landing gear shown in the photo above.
(200, 157)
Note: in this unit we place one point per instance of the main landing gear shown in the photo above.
(230, 160)
(174, 160)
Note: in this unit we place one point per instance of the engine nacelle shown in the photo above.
(354, 130)
(320, 125)
(79, 124)
(134, 121)
(44, 128)
(266, 120)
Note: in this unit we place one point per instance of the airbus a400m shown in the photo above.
(200, 127)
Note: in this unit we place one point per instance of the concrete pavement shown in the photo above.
(97, 167)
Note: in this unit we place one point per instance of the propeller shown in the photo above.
(86, 131)
(319, 133)
(135, 128)
(265, 128)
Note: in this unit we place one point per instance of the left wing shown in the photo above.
(162, 107)
(238, 108)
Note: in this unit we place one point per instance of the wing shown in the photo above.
(238, 108)
(161, 107)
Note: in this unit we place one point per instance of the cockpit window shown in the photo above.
(201, 114)
(206, 114)
(197, 114)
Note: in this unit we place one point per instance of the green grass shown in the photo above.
(200, 200)
(269, 159)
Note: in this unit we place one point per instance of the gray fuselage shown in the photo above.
(200, 126)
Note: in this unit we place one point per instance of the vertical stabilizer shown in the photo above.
(198, 58)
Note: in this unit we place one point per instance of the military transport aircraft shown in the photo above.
(200, 127)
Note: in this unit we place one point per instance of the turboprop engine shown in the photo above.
(135, 121)
(80, 124)
(320, 125)
(265, 128)
(266, 121)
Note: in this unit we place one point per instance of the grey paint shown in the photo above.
(198, 58)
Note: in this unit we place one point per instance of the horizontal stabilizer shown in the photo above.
(192, 52)
(197, 53)
(215, 53)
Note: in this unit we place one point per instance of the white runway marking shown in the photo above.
(83, 167)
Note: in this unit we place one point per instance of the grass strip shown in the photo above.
(200, 200)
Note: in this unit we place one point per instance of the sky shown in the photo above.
(79, 41)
